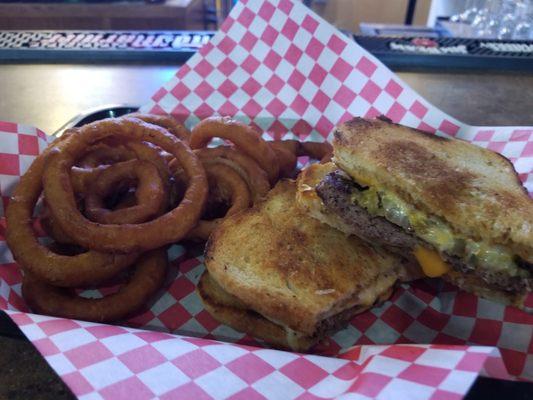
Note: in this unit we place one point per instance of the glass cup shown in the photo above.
(523, 29)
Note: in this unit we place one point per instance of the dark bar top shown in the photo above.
(48, 95)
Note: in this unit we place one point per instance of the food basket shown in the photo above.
(277, 66)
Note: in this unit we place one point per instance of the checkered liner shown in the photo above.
(283, 69)
(277, 66)
(112, 362)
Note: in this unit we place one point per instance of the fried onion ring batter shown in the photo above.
(224, 184)
(83, 269)
(150, 272)
(165, 121)
(246, 167)
(168, 228)
(242, 136)
(151, 193)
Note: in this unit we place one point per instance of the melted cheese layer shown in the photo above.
(435, 231)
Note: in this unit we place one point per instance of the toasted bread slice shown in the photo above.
(475, 190)
(229, 310)
(472, 284)
(307, 198)
(292, 269)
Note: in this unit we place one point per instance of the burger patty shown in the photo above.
(336, 189)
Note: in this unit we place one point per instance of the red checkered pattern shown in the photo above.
(111, 362)
(515, 143)
(19, 144)
(278, 66)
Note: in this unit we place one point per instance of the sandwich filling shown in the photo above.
(229, 310)
(382, 217)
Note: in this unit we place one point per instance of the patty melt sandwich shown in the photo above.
(458, 209)
(284, 277)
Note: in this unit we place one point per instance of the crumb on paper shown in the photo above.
(322, 292)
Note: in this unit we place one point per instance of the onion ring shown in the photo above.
(51, 228)
(168, 228)
(286, 158)
(147, 152)
(316, 150)
(82, 177)
(104, 154)
(290, 145)
(151, 193)
(242, 136)
(128, 200)
(230, 186)
(83, 269)
(150, 272)
(165, 121)
(322, 151)
(247, 168)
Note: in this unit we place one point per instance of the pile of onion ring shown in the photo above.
(112, 196)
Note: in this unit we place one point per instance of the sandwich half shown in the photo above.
(284, 277)
(457, 209)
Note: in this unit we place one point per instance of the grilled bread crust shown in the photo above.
(477, 191)
(472, 284)
(292, 269)
(229, 310)
(307, 198)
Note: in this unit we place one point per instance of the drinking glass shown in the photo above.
(523, 29)
(508, 14)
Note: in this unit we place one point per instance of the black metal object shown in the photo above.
(90, 46)
(410, 13)
(96, 114)
(449, 52)
(397, 30)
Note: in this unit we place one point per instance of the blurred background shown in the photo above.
(505, 19)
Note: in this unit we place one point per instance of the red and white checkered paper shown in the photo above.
(278, 66)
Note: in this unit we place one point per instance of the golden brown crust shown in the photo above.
(228, 310)
(475, 190)
(168, 228)
(148, 278)
(165, 121)
(445, 184)
(472, 284)
(291, 268)
(308, 201)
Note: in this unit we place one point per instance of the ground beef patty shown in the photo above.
(336, 189)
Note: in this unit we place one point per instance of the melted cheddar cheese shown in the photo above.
(431, 262)
(436, 232)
